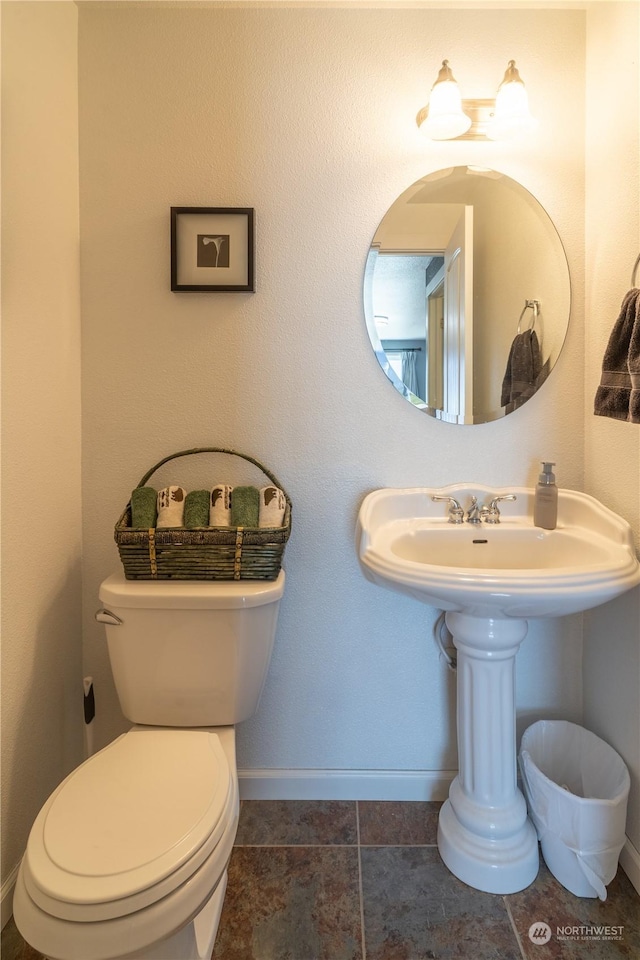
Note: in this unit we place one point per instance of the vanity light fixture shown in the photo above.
(511, 116)
(444, 118)
(448, 117)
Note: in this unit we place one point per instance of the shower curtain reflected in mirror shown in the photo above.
(410, 370)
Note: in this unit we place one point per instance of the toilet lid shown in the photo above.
(131, 816)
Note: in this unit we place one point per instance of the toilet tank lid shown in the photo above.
(190, 594)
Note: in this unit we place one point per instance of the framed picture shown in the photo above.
(212, 248)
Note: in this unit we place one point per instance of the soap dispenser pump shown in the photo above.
(545, 507)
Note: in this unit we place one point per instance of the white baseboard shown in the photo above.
(6, 895)
(630, 863)
(280, 784)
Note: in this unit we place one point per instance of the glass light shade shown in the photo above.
(512, 116)
(445, 119)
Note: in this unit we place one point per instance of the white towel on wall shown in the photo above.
(171, 507)
(272, 507)
(220, 509)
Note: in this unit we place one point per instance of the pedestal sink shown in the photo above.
(491, 579)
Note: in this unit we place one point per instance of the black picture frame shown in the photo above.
(212, 248)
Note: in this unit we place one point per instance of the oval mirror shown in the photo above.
(467, 295)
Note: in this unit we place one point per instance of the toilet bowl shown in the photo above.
(127, 860)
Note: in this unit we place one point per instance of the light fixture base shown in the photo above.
(480, 113)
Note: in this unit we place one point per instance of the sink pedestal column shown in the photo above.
(484, 835)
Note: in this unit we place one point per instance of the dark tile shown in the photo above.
(13, 946)
(398, 822)
(274, 822)
(288, 901)
(547, 901)
(291, 903)
(415, 909)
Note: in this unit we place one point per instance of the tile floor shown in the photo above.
(347, 880)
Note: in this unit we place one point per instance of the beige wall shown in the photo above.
(612, 448)
(41, 585)
(307, 114)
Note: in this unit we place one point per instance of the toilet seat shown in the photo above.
(130, 825)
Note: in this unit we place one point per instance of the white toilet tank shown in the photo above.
(189, 653)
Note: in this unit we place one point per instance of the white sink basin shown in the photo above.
(510, 569)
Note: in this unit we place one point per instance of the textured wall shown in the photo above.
(612, 472)
(41, 605)
(308, 116)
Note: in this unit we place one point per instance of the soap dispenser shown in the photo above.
(545, 507)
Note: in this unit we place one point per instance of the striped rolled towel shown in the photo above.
(220, 507)
(171, 507)
(272, 507)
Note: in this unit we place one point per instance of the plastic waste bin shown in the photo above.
(577, 788)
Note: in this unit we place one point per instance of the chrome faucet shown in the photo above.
(474, 513)
(456, 513)
(491, 514)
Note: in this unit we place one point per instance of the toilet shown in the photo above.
(127, 860)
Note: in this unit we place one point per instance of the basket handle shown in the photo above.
(234, 453)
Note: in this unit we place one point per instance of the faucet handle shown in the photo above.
(456, 513)
(491, 514)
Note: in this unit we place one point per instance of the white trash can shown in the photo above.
(577, 788)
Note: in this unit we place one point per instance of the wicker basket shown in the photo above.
(203, 553)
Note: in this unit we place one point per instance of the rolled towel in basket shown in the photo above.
(245, 507)
(171, 507)
(196, 509)
(220, 508)
(272, 507)
(144, 507)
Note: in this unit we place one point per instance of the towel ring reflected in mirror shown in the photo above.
(448, 269)
(634, 271)
(530, 305)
